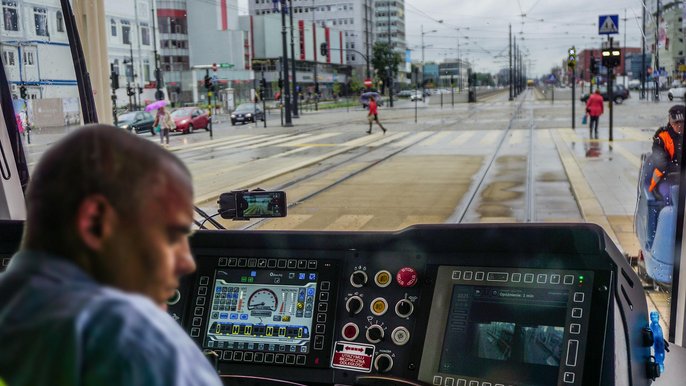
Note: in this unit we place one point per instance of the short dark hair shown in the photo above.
(95, 159)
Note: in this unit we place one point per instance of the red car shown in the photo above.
(190, 118)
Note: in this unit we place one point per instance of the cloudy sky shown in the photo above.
(544, 29)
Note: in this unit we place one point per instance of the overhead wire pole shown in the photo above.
(643, 55)
(510, 45)
(295, 91)
(286, 85)
(316, 81)
(366, 35)
(390, 54)
(657, 53)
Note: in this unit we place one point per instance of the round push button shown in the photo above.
(350, 331)
(383, 363)
(404, 308)
(400, 335)
(383, 278)
(354, 305)
(407, 277)
(379, 306)
(375, 333)
(174, 298)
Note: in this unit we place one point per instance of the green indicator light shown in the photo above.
(581, 278)
(243, 279)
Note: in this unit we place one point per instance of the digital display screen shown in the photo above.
(496, 332)
(268, 204)
(262, 310)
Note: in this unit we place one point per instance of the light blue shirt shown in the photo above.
(58, 326)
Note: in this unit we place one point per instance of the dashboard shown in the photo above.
(450, 305)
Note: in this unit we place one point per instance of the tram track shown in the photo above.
(461, 212)
(347, 161)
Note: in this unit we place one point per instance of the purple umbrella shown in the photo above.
(156, 105)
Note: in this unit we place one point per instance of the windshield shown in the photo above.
(501, 133)
(246, 108)
(181, 113)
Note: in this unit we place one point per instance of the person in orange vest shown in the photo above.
(666, 155)
(594, 108)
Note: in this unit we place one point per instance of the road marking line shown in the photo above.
(276, 141)
(490, 138)
(412, 138)
(349, 222)
(516, 137)
(543, 136)
(631, 157)
(462, 139)
(303, 142)
(440, 137)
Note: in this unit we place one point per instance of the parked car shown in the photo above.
(364, 99)
(137, 121)
(188, 119)
(677, 92)
(247, 112)
(418, 96)
(406, 93)
(619, 95)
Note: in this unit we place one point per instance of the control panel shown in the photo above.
(449, 305)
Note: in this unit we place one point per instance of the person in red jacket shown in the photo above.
(594, 108)
(373, 115)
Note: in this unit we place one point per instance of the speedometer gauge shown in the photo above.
(263, 299)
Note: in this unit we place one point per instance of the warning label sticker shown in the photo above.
(353, 356)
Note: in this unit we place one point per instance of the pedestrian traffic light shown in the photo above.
(22, 92)
(280, 83)
(140, 90)
(208, 82)
(324, 48)
(263, 84)
(129, 91)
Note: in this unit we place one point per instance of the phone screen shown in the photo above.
(262, 204)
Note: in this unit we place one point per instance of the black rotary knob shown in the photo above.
(354, 305)
(359, 278)
(404, 308)
(375, 333)
(383, 363)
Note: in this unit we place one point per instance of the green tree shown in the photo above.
(337, 88)
(484, 79)
(384, 58)
(355, 85)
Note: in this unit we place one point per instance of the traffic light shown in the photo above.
(324, 48)
(594, 66)
(263, 84)
(22, 92)
(129, 91)
(114, 77)
(280, 83)
(612, 57)
(571, 58)
(208, 82)
(140, 90)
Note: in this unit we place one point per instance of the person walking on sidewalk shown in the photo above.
(594, 108)
(373, 115)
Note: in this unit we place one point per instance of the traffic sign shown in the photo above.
(608, 24)
(226, 65)
(368, 82)
(551, 78)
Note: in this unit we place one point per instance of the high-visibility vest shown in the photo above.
(669, 147)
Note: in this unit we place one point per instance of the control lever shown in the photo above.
(380, 380)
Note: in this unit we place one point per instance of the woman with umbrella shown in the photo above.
(163, 119)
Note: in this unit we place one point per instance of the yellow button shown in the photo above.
(379, 306)
(383, 278)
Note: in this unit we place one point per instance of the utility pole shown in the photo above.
(286, 84)
(390, 54)
(643, 55)
(514, 71)
(158, 74)
(511, 75)
(366, 35)
(295, 87)
(133, 76)
(610, 90)
(657, 54)
(316, 81)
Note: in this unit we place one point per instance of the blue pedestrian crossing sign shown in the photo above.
(608, 24)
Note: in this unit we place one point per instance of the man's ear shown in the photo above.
(94, 221)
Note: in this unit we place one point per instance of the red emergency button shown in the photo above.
(407, 277)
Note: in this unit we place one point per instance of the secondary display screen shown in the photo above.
(505, 333)
(265, 310)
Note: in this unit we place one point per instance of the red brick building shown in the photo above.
(583, 62)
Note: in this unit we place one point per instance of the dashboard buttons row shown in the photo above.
(450, 381)
(261, 357)
(514, 277)
(406, 277)
(354, 305)
(244, 262)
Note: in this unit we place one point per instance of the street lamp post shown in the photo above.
(390, 54)
(423, 72)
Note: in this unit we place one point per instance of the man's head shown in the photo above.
(597, 91)
(117, 205)
(676, 118)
